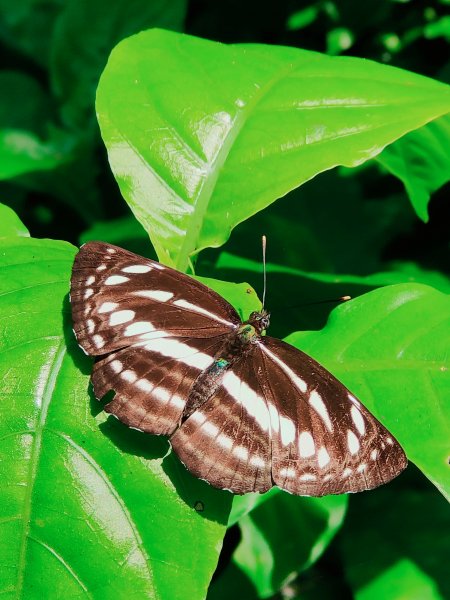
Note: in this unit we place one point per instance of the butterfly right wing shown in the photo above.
(280, 418)
(324, 441)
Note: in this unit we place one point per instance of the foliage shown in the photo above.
(202, 139)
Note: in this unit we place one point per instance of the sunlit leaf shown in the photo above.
(201, 135)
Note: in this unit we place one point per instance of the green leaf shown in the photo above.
(302, 307)
(421, 160)
(394, 545)
(284, 536)
(390, 347)
(84, 35)
(10, 224)
(89, 507)
(201, 135)
(26, 141)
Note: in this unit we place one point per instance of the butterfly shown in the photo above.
(243, 411)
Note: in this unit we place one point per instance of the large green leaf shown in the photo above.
(390, 347)
(201, 135)
(421, 160)
(89, 507)
(85, 33)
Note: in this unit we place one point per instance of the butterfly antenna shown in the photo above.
(264, 243)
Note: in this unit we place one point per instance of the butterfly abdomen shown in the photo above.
(209, 381)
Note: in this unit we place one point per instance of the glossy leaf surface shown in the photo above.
(81, 492)
(202, 135)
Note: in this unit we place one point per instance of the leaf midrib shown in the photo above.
(46, 397)
(207, 189)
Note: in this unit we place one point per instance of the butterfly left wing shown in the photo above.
(119, 298)
(154, 329)
(280, 418)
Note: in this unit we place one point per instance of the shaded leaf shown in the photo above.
(84, 35)
(393, 545)
(284, 536)
(421, 160)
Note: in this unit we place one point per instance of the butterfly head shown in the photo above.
(260, 320)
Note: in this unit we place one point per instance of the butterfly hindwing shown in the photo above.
(119, 298)
(226, 441)
(152, 381)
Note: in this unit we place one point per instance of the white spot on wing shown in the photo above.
(362, 467)
(248, 398)
(241, 452)
(161, 394)
(258, 462)
(129, 376)
(374, 454)
(287, 472)
(138, 328)
(209, 428)
(107, 307)
(306, 446)
(274, 418)
(159, 295)
(307, 477)
(136, 269)
(296, 380)
(346, 473)
(101, 268)
(98, 341)
(224, 441)
(177, 401)
(90, 280)
(287, 430)
(144, 385)
(358, 419)
(352, 398)
(90, 325)
(197, 417)
(316, 401)
(182, 352)
(116, 279)
(88, 293)
(352, 442)
(323, 457)
(116, 366)
(198, 309)
(121, 316)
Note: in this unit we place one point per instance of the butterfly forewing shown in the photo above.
(119, 298)
(266, 415)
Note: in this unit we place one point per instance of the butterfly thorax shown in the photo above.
(235, 348)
